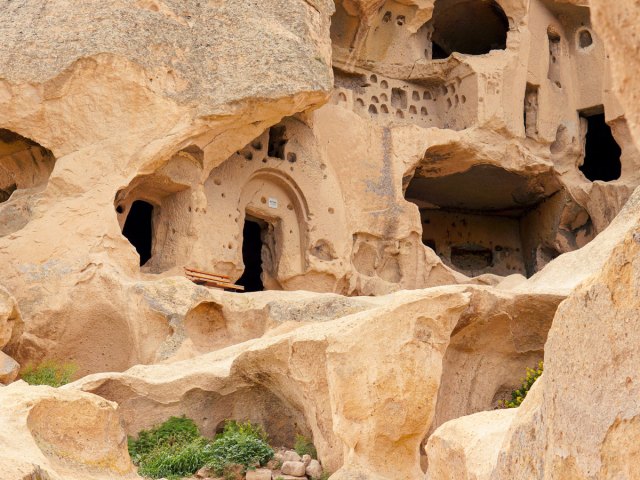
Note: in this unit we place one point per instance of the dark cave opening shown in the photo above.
(252, 242)
(602, 152)
(472, 27)
(138, 229)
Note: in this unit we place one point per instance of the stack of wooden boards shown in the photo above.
(211, 279)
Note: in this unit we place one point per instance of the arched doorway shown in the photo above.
(273, 230)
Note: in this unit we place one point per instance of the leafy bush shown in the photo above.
(176, 460)
(176, 449)
(304, 446)
(175, 431)
(518, 396)
(49, 373)
(247, 428)
(240, 444)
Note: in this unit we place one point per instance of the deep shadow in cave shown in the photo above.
(138, 228)
(252, 235)
(602, 152)
(472, 27)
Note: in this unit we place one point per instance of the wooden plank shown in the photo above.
(216, 284)
(194, 271)
(204, 279)
(211, 275)
(211, 279)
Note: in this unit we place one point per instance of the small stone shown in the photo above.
(306, 459)
(297, 469)
(291, 456)
(259, 474)
(9, 368)
(234, 472)
(289, 477)
(314, 469)
(274, 463)
(204, 472)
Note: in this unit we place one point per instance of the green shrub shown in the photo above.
(49, 373)
(518, 396)
(247, 428)
(176, 449)
(176, 460)
(240, 444)
(304, 446)
(175, 431)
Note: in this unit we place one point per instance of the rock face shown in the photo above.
(8, 369)
(11, 327)
(55, 434)
(543, 437)
(288, 151)
(391, 171)
(135, 108)
(325, 377)
(618, 25)
(467, 448)
(497, 339)
(594, 331)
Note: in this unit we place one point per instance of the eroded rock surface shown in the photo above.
(593, 331)
(359, 148)
(326, 379)
(467, 448)
(54, 434)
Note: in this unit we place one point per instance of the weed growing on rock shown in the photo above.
(49, 373)
(518, 396)
(304, 446)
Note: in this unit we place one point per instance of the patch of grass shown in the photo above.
(175, 431)
(177, 460)
(518, 396)
(240, 444)
(176, 449)
(49, 373)
(304, 446)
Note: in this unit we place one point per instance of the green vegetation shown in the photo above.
(176, 449)
(240, 444)
(175, 461)
(518, 396)
(304, 446)
(173, 432)
(49, 373)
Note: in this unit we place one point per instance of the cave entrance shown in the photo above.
(502, 229)
(138, 229)
(24, 164)
(471, 257)
(253, 235)
(472, 27)
(602, 152)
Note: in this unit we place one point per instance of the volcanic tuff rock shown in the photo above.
(358, 148)
(60, 435)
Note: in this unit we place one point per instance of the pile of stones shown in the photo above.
(285, 465)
